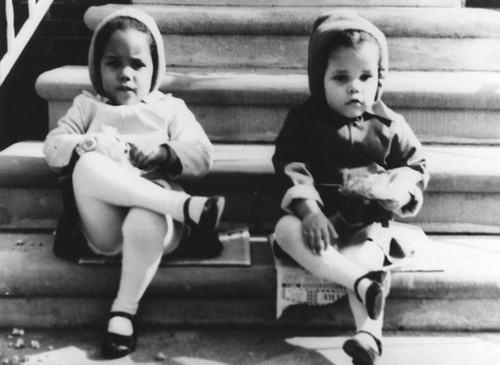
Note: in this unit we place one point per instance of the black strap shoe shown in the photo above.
(374, 297)
(113, 345)
(362, 353)
(210, 216)
(203, 241)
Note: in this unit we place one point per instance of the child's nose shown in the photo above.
(354, 86)
(126, 74)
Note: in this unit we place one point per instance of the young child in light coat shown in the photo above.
(124, 150)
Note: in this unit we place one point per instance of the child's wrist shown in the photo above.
(164, 153)
(306, 207)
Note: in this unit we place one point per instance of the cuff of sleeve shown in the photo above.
(412, 208)
(68, 169)
(299, 192)
(172, 165)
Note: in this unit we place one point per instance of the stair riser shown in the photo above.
(29, 207)
(408, 314)
(309, 3)
(289, 51)
(40, 208)
(288, 21)
(419, 39)
(261, 123)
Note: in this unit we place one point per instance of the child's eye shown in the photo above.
(340, 78)
(365, 77)
(112, 63)
(137, 64)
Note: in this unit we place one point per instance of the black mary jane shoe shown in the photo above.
(203, 241)
(362, 353)
(374, 297)
(210, 215)
(113, 345)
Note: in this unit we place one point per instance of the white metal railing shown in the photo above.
(16, 43)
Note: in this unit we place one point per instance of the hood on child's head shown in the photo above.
(148, 21)
(324, 29)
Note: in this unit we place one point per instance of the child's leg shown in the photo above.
(101, 223)
(143, 246)
(371, 257)
(366, 345)
(98, 178)
(330, 264)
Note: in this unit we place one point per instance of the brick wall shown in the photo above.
(489, 4)
(61, 39)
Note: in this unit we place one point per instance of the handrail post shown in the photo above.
(9, 15)
(16, 43)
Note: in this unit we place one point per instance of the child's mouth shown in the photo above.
(354, 102)
(125, 88)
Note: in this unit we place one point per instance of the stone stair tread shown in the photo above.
(415, 89)
(451, 267)
(452, 168)
(32, 270)
(429, 22)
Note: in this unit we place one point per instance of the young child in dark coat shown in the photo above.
(347, 163)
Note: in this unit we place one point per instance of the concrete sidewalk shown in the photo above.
(249, 347)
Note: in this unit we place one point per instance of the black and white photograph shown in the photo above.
(250, 182)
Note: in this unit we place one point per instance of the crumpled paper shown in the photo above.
(371, 182)
(295, 285)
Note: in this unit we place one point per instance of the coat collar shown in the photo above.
(379, 111)
(148, 99)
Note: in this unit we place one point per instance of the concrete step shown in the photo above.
(456, 287)
(264, 37)
(463, 194)
(310, 3)
(244, 106)
(256, 346)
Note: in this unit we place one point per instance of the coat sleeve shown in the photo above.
(290, 161)
(190, 144)
(408, 167)
(61, 141)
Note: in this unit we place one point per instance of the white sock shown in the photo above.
(120, 326)
(363, 287)
(196, 207)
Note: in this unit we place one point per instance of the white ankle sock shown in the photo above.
(196, 207)
(121, 326)
(366, 339)
(363, 287)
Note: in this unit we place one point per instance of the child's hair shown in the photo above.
(342, 28)
(354, 39)
(123, 23)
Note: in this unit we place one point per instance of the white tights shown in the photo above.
(123, 211)
(342, 267)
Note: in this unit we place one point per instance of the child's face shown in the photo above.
(127, 67)
(351, 79)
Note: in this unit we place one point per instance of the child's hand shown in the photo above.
(146, 155)
(317, 232)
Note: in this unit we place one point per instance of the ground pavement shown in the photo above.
(230, 346)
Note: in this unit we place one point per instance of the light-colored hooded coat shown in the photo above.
(160, 118)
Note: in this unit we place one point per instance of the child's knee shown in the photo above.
(85, 169)
(87, 162)
(288, 230)
(368, 255)
(142, 225)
